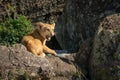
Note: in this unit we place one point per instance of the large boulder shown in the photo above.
(105, 57)
(83, 56)
(78, 22)
(16, 62)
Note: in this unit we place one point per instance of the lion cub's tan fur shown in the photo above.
(35, 41)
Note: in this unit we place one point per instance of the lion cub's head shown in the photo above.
(46, 30)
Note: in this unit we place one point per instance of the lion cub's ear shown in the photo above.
(39, 25)
(53, 24)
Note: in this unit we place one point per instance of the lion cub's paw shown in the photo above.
(42, 55)
(54, 53)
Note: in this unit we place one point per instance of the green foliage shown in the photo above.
(27, 77)
(12, 30)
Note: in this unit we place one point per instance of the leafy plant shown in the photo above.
(27, 77)
(14, 27)
(12, 30)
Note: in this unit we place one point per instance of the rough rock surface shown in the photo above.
(36, 10)
(83, 56)
(15, 61)
(75, 29)
(79, 21)
(105, 58)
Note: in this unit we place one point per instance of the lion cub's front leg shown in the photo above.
(48, 50)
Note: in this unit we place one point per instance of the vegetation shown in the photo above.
(27, 77)
(14, 27)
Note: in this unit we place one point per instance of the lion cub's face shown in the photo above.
(46, 30)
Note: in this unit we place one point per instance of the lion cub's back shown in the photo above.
(32, 44)
(26, 39)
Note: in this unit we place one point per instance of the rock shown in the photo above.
(16, 62)
(36, 10)
(62, 66)
(105, 57)
(78, 22)
(83, 55)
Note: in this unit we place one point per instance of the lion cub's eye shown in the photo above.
(48, 29)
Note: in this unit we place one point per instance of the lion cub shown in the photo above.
(35, 41)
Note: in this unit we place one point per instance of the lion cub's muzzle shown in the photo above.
(48, 37)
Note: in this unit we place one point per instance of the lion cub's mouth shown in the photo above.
(48, 37)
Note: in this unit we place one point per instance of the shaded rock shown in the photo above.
(105, 58)
(36, 10)
(83, 55)
(78, 22)
(63, 66)
(16, 61)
